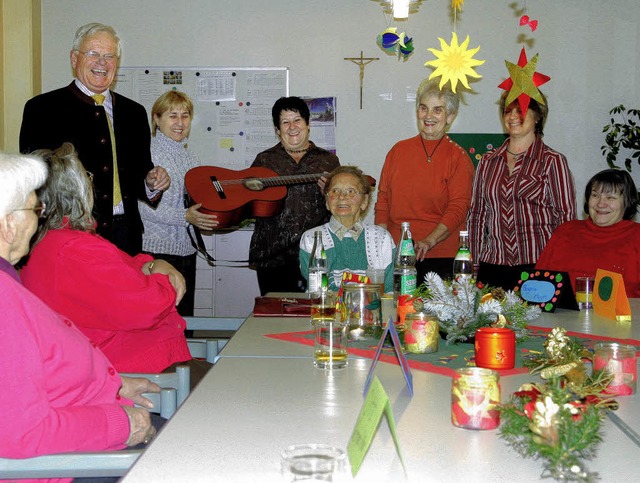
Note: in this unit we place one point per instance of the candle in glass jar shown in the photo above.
(421, 333)
(620, 361)
(495, 348)
(475, 395)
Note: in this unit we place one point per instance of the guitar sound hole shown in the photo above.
(253, 184)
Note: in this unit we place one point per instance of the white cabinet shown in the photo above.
(229, 288)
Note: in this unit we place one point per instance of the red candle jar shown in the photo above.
(620, 361)
(475, 395)
(495, 348)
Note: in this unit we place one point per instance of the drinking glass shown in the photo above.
(313, 462)
(329, 343)
(584, 292)
(361, 309)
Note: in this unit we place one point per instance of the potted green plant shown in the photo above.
(623, 131)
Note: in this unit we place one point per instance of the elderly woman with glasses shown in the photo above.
(125, 305)
(350, 245)
(607, 239)
(59, 391)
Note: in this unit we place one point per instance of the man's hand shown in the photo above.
(158, 179)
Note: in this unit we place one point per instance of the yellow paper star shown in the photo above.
(457, 5)
(454, 62)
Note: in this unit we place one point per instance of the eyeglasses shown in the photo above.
(93, 55)
(348, 193)
(90, 176)
(38, 210)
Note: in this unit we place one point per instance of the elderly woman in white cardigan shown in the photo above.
(349, 244)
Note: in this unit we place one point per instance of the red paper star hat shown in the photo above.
(523, 82)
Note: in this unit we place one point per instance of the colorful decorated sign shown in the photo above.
(547, 289)
(610, 296)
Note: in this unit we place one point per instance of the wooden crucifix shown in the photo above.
(361, 61)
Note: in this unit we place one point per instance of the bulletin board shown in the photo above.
(478, 144)
(232, 106)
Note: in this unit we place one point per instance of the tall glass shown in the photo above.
(329, 343)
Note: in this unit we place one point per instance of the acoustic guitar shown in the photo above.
(234, 196)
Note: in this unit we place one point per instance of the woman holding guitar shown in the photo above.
(275, 242)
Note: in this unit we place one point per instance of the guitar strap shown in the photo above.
(198, 244)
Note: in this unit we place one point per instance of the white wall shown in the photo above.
(588, 47)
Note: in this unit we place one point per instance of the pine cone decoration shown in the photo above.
(418, 305)
(499, 294)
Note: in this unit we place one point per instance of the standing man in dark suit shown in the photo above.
(99, 123)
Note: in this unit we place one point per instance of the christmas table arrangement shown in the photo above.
(464, 306)
(559, 420)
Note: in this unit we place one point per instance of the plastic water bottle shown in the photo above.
(318, 277)
(462, 263)
(404, 272)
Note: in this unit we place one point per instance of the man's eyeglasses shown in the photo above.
(348, 193)
(38, 210)
(93, 55)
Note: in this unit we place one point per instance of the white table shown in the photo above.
(247, 409)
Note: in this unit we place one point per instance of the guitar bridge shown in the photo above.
(218, 187)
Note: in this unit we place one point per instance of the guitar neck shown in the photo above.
(293, 179)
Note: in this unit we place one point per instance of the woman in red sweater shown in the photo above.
(608, 239)
(426, 180)
(125, 305)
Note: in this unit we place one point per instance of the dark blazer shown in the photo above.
(67, 114)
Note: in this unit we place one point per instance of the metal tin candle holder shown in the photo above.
(475, 395)
(495, 348)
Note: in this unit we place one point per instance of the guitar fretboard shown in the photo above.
(277, 180)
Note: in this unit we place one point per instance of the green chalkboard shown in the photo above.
(478, 144)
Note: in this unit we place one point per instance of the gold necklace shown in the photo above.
(434, 149)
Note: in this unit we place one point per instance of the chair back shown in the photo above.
(179, 380)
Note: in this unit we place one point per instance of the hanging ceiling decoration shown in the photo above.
(400, 9)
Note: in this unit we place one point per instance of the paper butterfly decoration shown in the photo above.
(533, 24)
(393, 43)
(523, 82)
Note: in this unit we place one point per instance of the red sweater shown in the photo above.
(130, 315)
(426, 194)
(580, 247)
